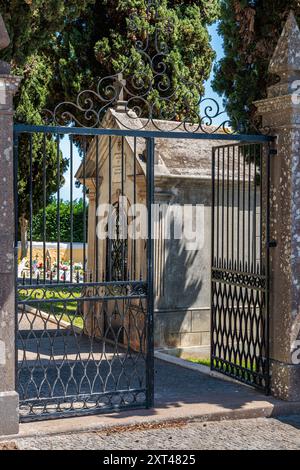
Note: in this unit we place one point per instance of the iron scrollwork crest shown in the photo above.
(148, 92)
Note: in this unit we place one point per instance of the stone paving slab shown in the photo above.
(180, 395)
(251, 434)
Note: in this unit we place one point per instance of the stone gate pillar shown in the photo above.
(9, 414)
(281, 112)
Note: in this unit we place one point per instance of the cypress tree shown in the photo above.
(251, 30)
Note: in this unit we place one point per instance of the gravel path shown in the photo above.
(261, 433)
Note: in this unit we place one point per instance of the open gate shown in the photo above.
(84, 334)
(85, 326)
(240, 262)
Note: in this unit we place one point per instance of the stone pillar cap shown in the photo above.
(286, 57)
(4, 37)
(4, 42)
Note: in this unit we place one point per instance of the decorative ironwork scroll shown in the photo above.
(149, 95)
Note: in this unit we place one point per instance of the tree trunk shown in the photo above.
(24, 236)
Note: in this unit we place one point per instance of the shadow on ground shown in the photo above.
(66, 368)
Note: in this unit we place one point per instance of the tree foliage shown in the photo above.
(81, 42)
(37, 154)
(103, 41)
(60, 48)
(32, 26)
(78, 211)
(250, 30)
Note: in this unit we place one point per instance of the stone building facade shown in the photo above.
(183, 169)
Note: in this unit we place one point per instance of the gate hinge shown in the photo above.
(272, 244)
(273, 152)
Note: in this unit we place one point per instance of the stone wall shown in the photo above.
(65, 251)
(281, 113)
(9, 416)
(183, 275)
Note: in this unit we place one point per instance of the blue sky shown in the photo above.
(217, 45)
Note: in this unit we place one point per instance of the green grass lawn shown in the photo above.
(203, 362)
(207, 362)
(65, 310)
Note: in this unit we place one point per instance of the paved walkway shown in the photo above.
(58, 362)
(46, 354)
(250, 434)
(180, 394)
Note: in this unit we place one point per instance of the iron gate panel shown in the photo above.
(72, 363)
(240, 260)
(85, 341)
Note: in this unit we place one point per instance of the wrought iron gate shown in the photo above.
(85, 339)
(240, 262)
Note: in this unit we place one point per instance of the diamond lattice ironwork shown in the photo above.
(240, 259)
